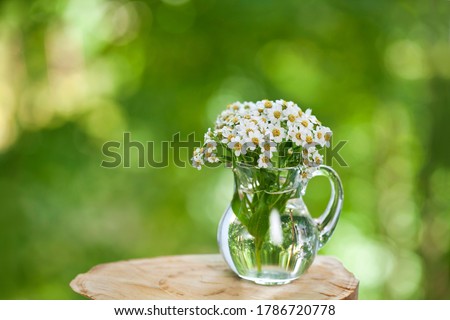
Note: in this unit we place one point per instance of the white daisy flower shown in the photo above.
(268, 147)
(234, 106)
(264, 161)
(277, 132)
(223, 116)
(307, 152)
(317, 158)
(267, 103)
(305, 122)
(275, 114)
(323, 136)
(227, 134)
(197, 159)
(307, 137)
(209, 155)
(245, 127)
(295, 134)
(305, 175)
(253, 140)
(236, 144)
(291, 114)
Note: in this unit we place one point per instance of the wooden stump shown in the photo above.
(207, 277)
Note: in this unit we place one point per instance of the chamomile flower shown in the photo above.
(267, 103)
(211, 144)
(275, 113)
(236, 144)
(210, 154)
(295, 134)
(305, 122)
(317, 158)
(307, 137)
(246, 127)
(323, 136)
(305, 175)
(268, 147)
(312, 157)
(291, 114)
(227, 134)
(254, 139)
(197, 159)
(262, 105)
(264, 161)
(277, 132)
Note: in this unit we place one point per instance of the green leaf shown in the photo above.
(258, 224)
(240, 208)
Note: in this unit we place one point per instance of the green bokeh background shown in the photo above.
(75, 74)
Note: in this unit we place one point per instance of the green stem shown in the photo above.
(258, 256)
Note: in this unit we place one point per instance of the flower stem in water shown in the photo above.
(258, 257)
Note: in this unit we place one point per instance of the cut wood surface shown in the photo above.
(207, 277)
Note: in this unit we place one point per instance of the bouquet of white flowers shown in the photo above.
(264, 134)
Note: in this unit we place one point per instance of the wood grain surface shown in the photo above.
(207, 277)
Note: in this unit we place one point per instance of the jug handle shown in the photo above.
(326, 223)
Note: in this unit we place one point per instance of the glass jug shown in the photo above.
(267, 234)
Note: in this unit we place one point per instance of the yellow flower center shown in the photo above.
(327, 137)
(304, 123)
(268, 104)
(235, 107)
(230, 136)
(265, 159)
(304, 175)
(248, 130)
(319, 135)
(309, 139)
(291, 118)
(267, 147)
(276, 132)
(237, 146)
(298, 135)
(300, 113)
(318, 161)
(255, 140)
(277, 114)
(247, 116)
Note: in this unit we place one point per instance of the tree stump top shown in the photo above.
(205, 277)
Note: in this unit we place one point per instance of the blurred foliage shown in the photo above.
(77, 73)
